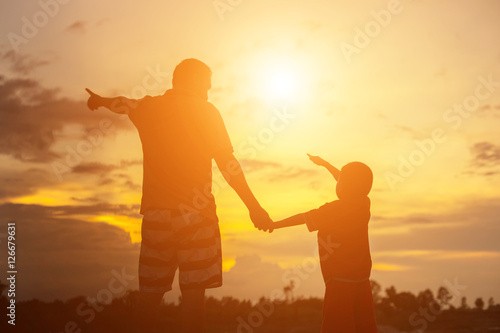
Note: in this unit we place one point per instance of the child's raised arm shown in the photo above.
(321, 162)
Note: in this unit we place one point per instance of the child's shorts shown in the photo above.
(170, 240)
(348, 308)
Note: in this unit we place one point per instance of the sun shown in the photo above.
(281, 80)
(281, 83)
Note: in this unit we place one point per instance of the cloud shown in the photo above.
(14, 183)
(85, 200)
(485, 159)
(438, 254)
(292, 173)
(276, 172)
(251, 278)
(485, 154)
(24, 211)
(409, 220)
(94, 168)
(22, 63)
(33, 119)
(436, 247)
(492, 110)
(77, 27)
(471, 227)
(128, 163)
(60, 258)
(133, 186)
(106, 181)
(81, 27)
(256, 165)
(102, 169)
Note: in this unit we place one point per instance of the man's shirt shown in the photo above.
(180, 133)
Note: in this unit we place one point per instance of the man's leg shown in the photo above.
(193, 310)
(157, 266)
(200, 267)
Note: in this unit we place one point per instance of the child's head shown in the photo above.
(355, 181)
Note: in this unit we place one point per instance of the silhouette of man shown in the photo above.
(181, 132)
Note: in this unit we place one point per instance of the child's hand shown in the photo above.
(317, 160)
(94, 101)
(261, 219)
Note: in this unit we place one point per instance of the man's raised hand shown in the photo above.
(94, 101)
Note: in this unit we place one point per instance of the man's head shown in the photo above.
(355, 181)
(194, 75)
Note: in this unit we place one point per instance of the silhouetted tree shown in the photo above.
(425, 298)
(406, 301)
(444, 296)
(376, 289)
(491, 303)
(391, 293)
(229, 314)
(479, 304)
(402, 300)
(463, 304)
(288, 290)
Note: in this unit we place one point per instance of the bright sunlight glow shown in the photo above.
(280, 80)
(282, 83)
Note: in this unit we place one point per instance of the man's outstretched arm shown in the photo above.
(233, 174)
(120, 104)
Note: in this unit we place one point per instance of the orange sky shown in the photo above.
(380, 81)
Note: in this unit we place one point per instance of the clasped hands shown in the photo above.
(261, 219)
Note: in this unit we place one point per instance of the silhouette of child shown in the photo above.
(344, 249)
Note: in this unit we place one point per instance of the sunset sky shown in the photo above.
(411, 88)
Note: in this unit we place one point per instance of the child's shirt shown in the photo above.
(342, 239)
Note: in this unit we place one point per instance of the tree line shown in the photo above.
(442, 311)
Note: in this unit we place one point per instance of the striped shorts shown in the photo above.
(170, 240)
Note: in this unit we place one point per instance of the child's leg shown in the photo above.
(338, 311)
(364, 311)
